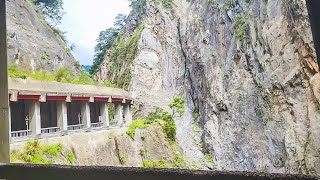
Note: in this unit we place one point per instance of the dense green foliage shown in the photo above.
(35, 153)
(161, 118)
(104, 42)
(61, 75)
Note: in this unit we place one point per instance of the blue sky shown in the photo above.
(85, 19)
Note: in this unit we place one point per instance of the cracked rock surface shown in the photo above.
(249, 74)
(31, 43)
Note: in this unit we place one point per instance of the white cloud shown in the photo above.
(85, 19)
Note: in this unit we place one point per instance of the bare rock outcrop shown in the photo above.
(248, 72)
(32, 44)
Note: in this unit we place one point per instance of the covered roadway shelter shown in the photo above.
(40, 107)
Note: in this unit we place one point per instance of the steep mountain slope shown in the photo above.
(248, 72)
(32, 44)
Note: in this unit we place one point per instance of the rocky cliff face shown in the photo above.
(110, 148)
(248, 72)
(32, 44)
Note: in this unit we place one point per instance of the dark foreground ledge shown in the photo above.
(34, 172)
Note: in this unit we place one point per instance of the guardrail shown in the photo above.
(96, 125)
(50, 130)
(28, 171)
(22, 133)
(75, 127)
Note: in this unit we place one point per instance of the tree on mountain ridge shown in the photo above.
(104, 42)
(52, 9)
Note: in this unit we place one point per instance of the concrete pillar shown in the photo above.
(118, 113)
(4, 120)
(35, 117)
(85, 114)
(127, 114)
(104, 114)
(62, 115)
(9, 117)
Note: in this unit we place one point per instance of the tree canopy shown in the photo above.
(52, 9)
(104, 42)
(120, 21)
(138, 6)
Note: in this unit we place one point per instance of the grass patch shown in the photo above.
(162, 163)
(179, 161)
(53, 150)
(209, 158)
(140, 124)
(70, 158)
(35, 153)
(61, 75)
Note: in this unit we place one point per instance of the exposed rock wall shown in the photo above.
(32, 44)
(248, 72)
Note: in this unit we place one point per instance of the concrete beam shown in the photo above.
(35, 117)
(4, 119)
(85, 114)
(127, 114)
(62, 115)
(104, 113)
(118, 114)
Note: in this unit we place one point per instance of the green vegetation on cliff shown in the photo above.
(162, 163)
(162, 119)
(177, 162)
(62, 75)
(121, 47)
(52, 9)
(139, 6)
(35, 153)
(105, 41)
(122, 55)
